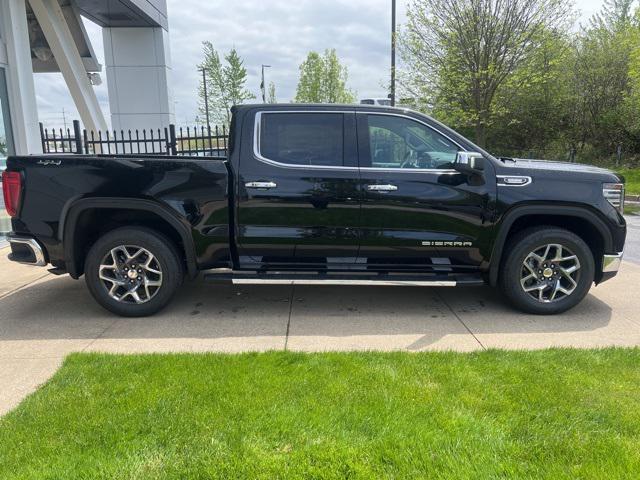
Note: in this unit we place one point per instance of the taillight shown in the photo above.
(12, 190)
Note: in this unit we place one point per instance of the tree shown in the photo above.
(459, 53)
(632, 99)
(614, 16)
(271, 93)
(225, 84)
(533, 107)
(323, 79)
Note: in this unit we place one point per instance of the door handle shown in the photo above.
(382, 188)
(262, 185)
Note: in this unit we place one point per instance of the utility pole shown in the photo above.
(64, 119)
(206, 96)
(393, 53)
(263, 86)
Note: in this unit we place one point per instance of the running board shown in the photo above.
(293, 278)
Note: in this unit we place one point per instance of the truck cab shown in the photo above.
(357, 189)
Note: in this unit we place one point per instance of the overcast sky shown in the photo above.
(274, 32)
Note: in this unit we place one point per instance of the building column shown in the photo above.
(16, 52)
(138, 68)
(56, 31)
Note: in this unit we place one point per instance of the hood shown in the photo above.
(556, 167)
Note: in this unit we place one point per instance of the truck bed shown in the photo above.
(190, 190)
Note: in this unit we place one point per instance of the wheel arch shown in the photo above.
(580, 220)
(75, 245)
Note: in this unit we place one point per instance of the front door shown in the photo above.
(299, 190)
(419, 213)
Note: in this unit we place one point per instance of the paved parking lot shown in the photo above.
(43, 318)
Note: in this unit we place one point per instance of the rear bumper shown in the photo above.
(26, 250)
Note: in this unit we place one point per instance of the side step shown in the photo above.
(324, 278)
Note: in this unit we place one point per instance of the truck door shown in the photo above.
(299, 201)
(417, 212)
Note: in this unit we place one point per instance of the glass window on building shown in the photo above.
(6, 146)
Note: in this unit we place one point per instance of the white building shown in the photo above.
(48, 36)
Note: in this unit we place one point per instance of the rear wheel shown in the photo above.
(133, 272)
(548, 270)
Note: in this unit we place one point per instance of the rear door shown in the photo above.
(417, 212)
(299, 201)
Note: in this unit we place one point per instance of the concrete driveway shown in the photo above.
(43, 318)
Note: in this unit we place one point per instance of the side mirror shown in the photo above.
(470, 163)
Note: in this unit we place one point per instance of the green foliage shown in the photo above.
(530, 107)
(3, 147)
(632, 180)
(271, 93)
(632, 98)
(462, 52)
(226, 84)
(323, 79)
(567, 95)
(554, 414)
(615, 15)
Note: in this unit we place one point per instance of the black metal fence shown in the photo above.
(192, 141)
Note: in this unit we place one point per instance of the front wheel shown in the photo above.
(548, 270)
(133, 272)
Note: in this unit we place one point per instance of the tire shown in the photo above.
(530, 246)
(155, 281)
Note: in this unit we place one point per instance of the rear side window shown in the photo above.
(315, 139)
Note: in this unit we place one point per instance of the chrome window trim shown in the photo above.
(295, 166)
(263, 159)
(528, 181)
(413, 170)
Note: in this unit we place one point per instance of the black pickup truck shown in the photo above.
(321, 195)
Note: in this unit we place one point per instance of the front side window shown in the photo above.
(315, 139)
(398, 142)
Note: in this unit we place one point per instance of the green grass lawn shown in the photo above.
(631, 210)
(551, 414)
(632, 179)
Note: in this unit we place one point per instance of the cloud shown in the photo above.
(279, 33)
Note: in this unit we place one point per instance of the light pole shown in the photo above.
(393, 53)
(263, 86)
(206, 95)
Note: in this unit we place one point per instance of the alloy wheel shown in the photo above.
(131, 274)
(550, 273)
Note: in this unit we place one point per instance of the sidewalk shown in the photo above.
(43, 318)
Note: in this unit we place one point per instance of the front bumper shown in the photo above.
(26, 250)
(610, 266)
(612, 263)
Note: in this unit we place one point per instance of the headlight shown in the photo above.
(614, 193)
